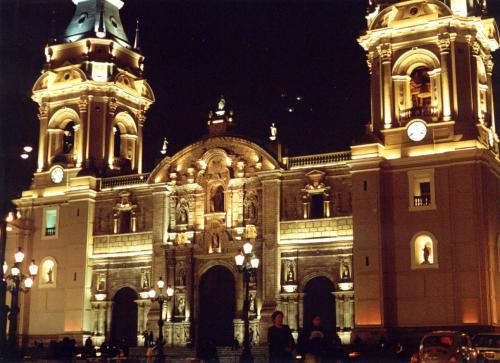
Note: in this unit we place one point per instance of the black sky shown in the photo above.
(260, 55)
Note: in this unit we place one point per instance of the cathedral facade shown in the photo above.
(402, 231)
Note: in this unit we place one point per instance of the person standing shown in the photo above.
(281, 343)
(314, 342)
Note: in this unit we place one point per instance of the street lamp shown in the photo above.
(247, 263)
(17, 277)
(161, 299)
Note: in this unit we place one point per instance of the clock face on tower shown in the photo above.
(417, 130)
(57, 174)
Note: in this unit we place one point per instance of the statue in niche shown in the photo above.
(426, 253)
(290, 277)
(145, 279)
(101, 284)
(181, 306)
(181, 278)
(346, 274)
(221, 104)
(251, 303)
(215, 242)
(251, 208)
(50, 277)
(217, 203)
(183, 215)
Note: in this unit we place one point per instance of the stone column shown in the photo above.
(141, 118)
(270, 230)
(109, 309)
(385, 52)
(400, 97)
(82, 140)
(436, 98)
(43, 116)
(301, 309)
(444, 43)
(110, 131)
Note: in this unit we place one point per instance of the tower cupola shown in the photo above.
(96, 18)
(92, 95)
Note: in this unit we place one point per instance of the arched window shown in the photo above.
(424, 251)
(69, 138)
(48, 273)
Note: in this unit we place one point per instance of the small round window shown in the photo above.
(414, 11)
(82, 18)
(113, 21)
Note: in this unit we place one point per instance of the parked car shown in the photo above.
(445, 347)
(487, 346)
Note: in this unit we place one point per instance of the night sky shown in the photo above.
(261, 55)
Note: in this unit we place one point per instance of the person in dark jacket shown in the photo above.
(314, 342)
(280, 339)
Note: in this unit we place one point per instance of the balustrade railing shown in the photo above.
(125, 180)
(318, 159)
(423, 111)
(421, 200)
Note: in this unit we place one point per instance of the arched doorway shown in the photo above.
(217, 306)
(319, 300)
(124, 320)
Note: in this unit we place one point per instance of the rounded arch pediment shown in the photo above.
(139, 86)
(58, 79)
(403, 12)
(230, 152)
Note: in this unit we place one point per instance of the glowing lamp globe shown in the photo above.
(170, 291)
(5, 267)
(160, 283)
(33, 268)
(15, 271)
(254, 262)
(28, 283)
(239, 259)
(152, 293)
(10, 217)
(19, 256)
(247, 248)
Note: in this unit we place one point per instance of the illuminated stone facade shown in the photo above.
(404, 227)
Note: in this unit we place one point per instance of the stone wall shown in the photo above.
(316, 228)
(128, 242)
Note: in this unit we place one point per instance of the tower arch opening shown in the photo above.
(417, 85)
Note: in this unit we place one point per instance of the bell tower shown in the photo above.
(430, 68)
(92, 95)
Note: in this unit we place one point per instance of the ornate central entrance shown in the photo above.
(124, 321)
(319, 300)
(217, 306)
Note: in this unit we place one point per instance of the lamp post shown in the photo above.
(247, 263)
(161, 299)
(16, 277)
